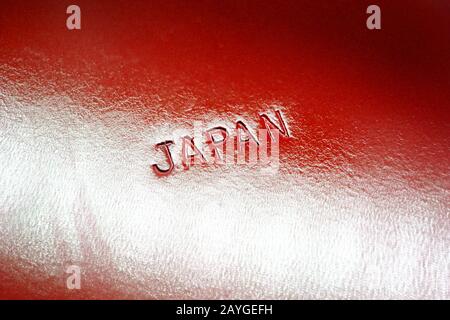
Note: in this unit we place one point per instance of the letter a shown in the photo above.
(74, 20)
(188, 159)
(74, 280)
(374, 20)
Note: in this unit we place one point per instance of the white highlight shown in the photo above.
(204, 233)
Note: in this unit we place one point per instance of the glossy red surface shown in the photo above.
(365, 171)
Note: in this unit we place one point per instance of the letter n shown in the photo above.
(271, 126)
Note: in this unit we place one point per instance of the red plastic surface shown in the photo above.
(358, 209)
